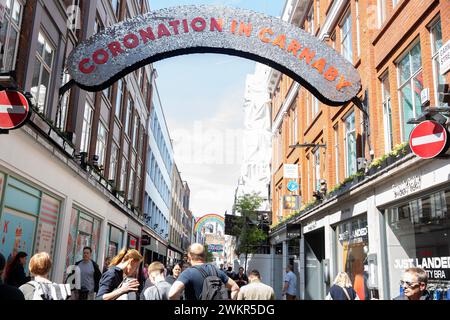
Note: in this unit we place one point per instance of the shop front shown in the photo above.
(417, 234)
(114, 241)
(29, 218)
(84, 232)
(352, 246)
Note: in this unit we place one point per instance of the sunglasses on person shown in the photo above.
(408, 284)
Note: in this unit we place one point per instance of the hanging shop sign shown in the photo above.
(292, 185)
(14, 109)
(291, 202)
(428, 139)
(126, 46)
(290, 171)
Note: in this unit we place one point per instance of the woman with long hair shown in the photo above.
(15, 271)
(342, 288)
(120, 279)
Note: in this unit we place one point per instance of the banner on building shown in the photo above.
(291, 202)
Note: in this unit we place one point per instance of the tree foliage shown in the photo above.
(249, 235)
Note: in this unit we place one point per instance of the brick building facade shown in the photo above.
(393, 46)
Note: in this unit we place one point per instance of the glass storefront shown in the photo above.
(84, 232)
(352, 246)
(418, 235)
(115, 241)
(28, 218)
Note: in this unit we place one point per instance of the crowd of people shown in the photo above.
(125, 277)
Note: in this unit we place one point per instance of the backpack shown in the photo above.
(213, 286)
(50, 291)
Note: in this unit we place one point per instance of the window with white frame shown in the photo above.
(87, 125)
(336, 151)
(382, 11)
(387, 113)
(394, 3)
(350, 145)
(42, 73)
(294, 126)
(123, 174)
(410, 78)
(315, 105)
(119, 98)
(316, 159)
(135, 131)
(114, 159)
(358, 47)
(436, 44)
(310, 21)
(346, 37)
(318, 11)
(131, 185)
(100, 149)
(308, 175)
(64, 105)
(116, 7)
(9, 34)
(128, 116)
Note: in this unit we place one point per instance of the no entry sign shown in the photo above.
(428, 139)
(14, 109)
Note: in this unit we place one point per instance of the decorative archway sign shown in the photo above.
(126, 46)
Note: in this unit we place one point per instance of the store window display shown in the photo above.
(418, 235)
(352, 248)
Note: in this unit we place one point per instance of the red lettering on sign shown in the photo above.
(216, 24)
(174, 24)
(331, 74)
(245, 28)
(147, 35)
(233, 26)
(263, 33)
(307, 55)
(83, 68)
(163, 31)
(319, 65)
(343, 83)
(100, 56)
(131, 44)
(185, 26)
(293, 47)
(115, 48)
(196, 27)
(280, 41)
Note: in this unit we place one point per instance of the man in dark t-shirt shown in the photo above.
(191, 280)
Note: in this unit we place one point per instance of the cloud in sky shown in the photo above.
(202, 96)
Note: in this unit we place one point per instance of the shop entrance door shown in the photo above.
(314, 256)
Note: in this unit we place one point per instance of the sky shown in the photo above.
(202, 97)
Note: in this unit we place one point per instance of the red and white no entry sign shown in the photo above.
(14, 109)
(428, 139)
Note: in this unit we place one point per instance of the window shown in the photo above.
(42, 71)
(336, 151)
(350, 145)
(131, 185)
(119, 98)
(318, 11)
(394, 3)
(9, 34)
(310, 21)
(315, 105)
(113, 161)
(100, 149)
(436, 44)
(62, 113)
(123, 174)
(128, 116)
(358, 47)
(346, 37)
(410, 80)
(387, 113)
(135, 131)
(308, 175)
(116, 7)
(86, 130)
(294, 126)
(316, 155)
(382, 11)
